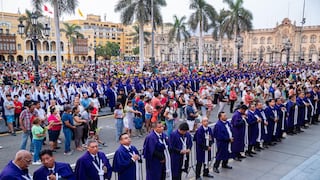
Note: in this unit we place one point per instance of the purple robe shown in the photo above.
(86, 170)
(238, 132)
(176, 146)
(199, 138)
(269, 111)
(153, 152)
(253, 130)
(62, 169)
(123, 164)
(221, 134)
(12, 172)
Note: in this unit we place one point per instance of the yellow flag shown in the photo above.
(80, 13)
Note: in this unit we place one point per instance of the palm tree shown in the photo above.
(139, 10)
(220, 29)
(179, 32)
(203, 13)
(27, 19)
(238, 19)
(60, 7)
(136, 34)
(72, 33)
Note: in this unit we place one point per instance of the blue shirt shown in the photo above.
(66, 117)
(190, 111)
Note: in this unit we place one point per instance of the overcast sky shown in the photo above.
(266, 13)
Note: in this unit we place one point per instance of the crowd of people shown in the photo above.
(268, 102)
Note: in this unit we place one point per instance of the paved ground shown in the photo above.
(297, 157)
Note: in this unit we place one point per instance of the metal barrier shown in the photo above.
(192, 163)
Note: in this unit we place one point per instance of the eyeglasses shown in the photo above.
(27, 160)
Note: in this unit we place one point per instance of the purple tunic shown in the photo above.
(238, 132)
(153, 152)
(123, 164)
(201, 147)
(12, 172)
(63, 169)
(175, 148)
(221, 134)
(86, 170)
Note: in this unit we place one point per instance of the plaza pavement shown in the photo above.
(297, 157)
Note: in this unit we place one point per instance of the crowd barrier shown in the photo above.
(192, 161)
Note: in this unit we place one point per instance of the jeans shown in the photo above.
(67, 135)
(169, 124)
(25, 136)
(37, 143)
(182, 113)
(119, 127)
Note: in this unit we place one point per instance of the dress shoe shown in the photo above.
(257, 149)
(208, 175)
(248, 154)
(227, 167)
(253, 152)
(216, 170)
(237, 159)
(241, 156)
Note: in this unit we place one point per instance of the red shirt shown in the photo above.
(94, 112)
(18, 107)
(53, 118)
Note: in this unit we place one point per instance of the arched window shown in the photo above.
(313, 39)
(262, 39)
(269, 40)
(304, 39)
(255, 40)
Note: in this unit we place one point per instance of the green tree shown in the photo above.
(139, 10)
(135, 50)
(26, 19)
(220, 29)
(59, 7)
(179, 32)
(108, 50)
(136, 34)
(238, 19)
(72, 33)
(204, 12)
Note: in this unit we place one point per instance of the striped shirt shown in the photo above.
(26, 117)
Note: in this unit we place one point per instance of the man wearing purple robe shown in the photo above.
(126, 159)
(180, 146)
(156, 153)
(18, 168)
(204, 140)
(52, 169)
(238, 131)
(93, 165)
(253, 129)
(222, 133)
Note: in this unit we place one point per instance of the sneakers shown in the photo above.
(68, 153)
(1, 147)
(59, 141)
(36, 163)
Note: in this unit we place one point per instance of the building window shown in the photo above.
(313, 39)
(262, 40)
(269, 40)
(304, 39)
(19, 47)
(255, 41)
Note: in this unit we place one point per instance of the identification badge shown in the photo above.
(105, 169)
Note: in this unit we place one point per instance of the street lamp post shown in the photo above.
(239, 44)
(287, 47)
(260, 55)
(95, 55)
(35, 35)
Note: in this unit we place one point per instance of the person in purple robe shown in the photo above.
(93, 165)
(180, 146)
(126, 159)
(238, 131)
(203, 139)
(17, 169)
(292, 109)
(224, 138)
(253, 130)
(52, 169)
(156, 153)
(272, 118)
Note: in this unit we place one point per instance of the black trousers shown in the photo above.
(198, 169)
(217, 163)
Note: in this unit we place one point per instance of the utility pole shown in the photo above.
(302, 23)
(153, 63)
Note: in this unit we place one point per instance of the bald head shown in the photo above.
(23, 159)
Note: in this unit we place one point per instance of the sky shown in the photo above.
(266, 13)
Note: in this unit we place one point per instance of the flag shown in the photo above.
(80, 13)
(46, 9)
